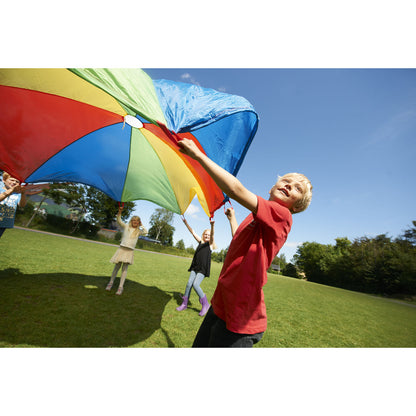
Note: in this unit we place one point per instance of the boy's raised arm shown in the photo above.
(228, 183)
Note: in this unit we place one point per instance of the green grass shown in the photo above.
(52, 295)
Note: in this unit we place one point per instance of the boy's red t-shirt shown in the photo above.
(238, 299)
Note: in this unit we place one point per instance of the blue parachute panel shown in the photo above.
(99, 159)
(188, 107)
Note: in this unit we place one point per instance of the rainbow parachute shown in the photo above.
(117, 130)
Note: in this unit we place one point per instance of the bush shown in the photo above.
(67, 226)
(371, 265)
(291, 270)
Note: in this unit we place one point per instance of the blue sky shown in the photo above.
(351, 131)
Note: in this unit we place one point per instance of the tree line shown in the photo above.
(94, 210)
(378, 265)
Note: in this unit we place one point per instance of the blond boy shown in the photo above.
(237, 317)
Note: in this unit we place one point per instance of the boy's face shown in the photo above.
(287, 190)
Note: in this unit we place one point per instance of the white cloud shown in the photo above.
(187, 77)
(192, 211)
(393, 128)
(293, 244)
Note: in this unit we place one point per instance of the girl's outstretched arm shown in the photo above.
(118, 217)
(211, 238)
(233, 222)
(196, 236)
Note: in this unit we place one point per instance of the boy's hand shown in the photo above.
(188, 147)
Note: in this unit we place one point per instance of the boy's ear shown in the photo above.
(294, 209)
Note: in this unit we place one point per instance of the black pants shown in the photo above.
(213, 333)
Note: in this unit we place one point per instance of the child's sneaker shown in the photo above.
(109, 286)
(119, 291)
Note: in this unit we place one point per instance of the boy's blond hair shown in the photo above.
(303, 202)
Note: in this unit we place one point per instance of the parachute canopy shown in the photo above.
(117, 130)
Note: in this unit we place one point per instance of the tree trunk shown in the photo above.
(79, 219)
(34, 212)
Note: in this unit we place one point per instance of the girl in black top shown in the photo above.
(200, 267)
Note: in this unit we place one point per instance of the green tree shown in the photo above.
(409, 235)
(314, 259)
(180, 245)
(291, 270)
(219, 256)
(102, 209)
(191, 250)
(342, 245)
(372, 265)
(280, 260)
(92, 204)
(380, 265)
(161, 226)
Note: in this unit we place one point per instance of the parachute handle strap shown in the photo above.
(229, 201)
(172, 136)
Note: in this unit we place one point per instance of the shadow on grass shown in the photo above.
(74, 310)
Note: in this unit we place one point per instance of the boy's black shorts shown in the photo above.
(213, 333)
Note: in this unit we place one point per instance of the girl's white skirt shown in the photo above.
(123, 255)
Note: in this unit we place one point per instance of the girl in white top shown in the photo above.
(124, 254)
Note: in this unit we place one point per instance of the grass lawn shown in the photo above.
(52, 295)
